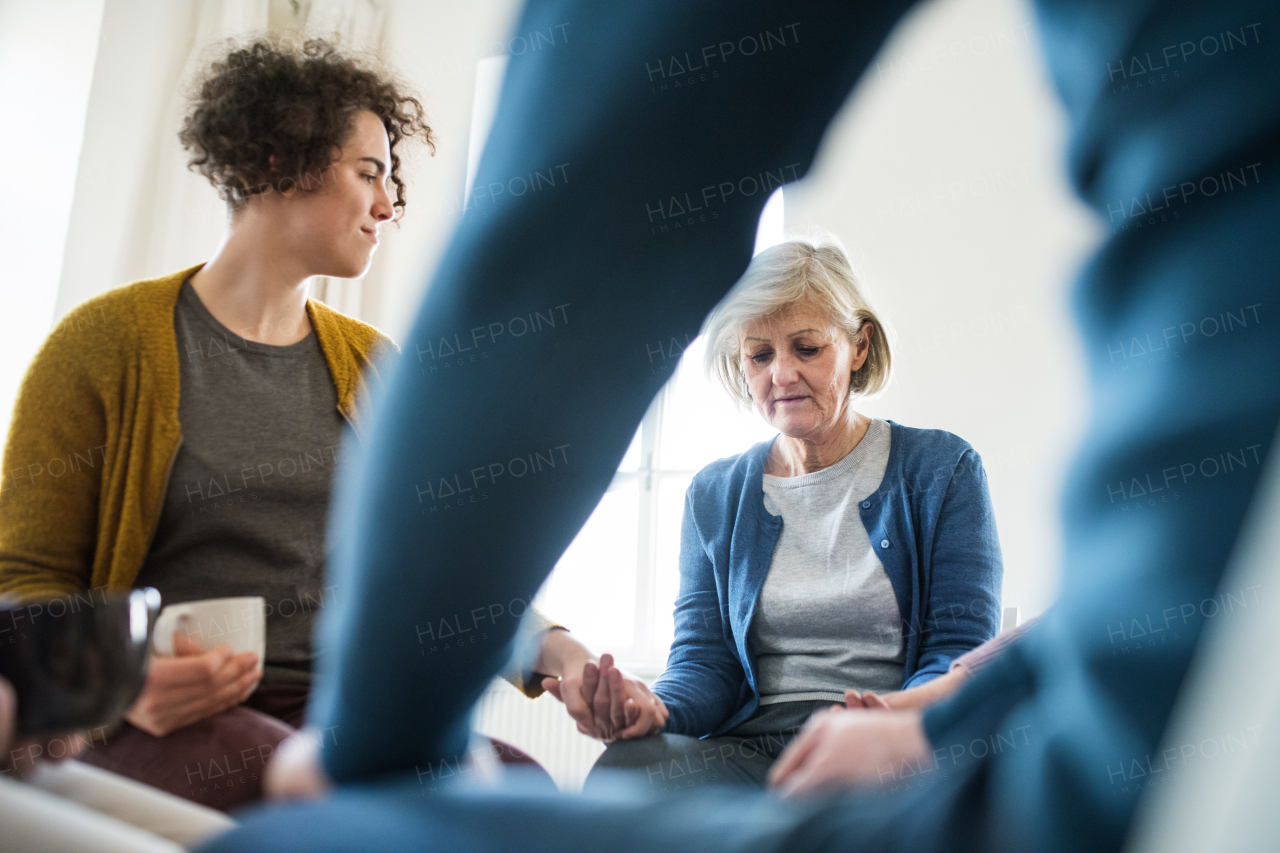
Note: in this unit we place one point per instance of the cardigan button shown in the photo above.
(866, 504)
(884, 543)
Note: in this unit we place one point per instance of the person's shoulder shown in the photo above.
(129, 302)
(116, 321)
(729, 474)
(930, 455)
(365, 338)
(925, 442)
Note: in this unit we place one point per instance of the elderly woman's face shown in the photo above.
(798, 364)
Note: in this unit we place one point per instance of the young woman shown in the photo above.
(187, 441)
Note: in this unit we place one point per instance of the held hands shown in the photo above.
(193, 685)
(841, 747)
(608, 703)
(866, 699)
(864, 742)
(913, 698)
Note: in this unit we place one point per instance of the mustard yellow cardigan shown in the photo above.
(95, 432)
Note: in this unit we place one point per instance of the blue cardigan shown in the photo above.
(931, 522)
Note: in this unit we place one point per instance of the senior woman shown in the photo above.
(848, 553)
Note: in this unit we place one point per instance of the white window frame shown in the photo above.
(644, 657)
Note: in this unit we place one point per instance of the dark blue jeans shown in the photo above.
(615, 204)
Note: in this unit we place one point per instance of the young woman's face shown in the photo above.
(335, 226)
(798, 364)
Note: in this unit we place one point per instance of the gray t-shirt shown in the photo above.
(827, 619)
(246, 505)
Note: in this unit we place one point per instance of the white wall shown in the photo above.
(47, 54)
(437, 45)
(141, 52)
(144, 44)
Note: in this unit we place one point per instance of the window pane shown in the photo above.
(592, 589)
(671, 489)
(631, 460)
(700, 423)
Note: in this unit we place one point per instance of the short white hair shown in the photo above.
(779, 278)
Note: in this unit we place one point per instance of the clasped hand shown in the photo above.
(608, 703)
(862, 743)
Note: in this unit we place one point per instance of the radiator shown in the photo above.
(541, 728)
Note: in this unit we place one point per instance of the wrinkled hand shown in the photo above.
(838, 748)
(609, 703)
(913, 698)
(866, 699)
(192, 685)
(624, 706)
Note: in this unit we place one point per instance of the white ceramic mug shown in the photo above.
(237, 622)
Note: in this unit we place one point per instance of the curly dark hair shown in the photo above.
(296, 102)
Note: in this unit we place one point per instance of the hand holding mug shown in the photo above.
(192, 685)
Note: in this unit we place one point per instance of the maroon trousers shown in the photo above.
(216, 762)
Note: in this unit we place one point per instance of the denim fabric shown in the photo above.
(932, 521)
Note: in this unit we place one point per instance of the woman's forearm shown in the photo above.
(562, 653)
(914, 698)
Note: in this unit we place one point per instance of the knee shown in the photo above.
(637, 753)
(618, 767)
(242, 732)
(245, 728)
